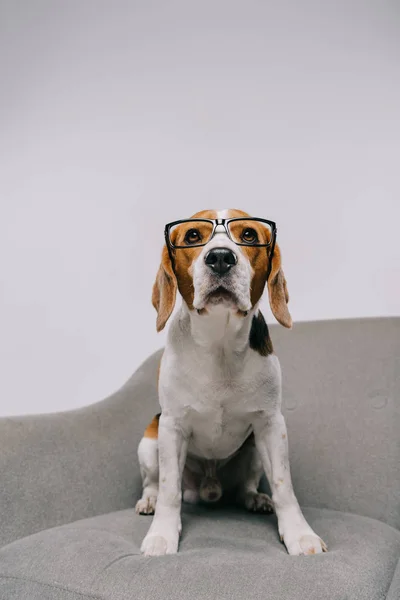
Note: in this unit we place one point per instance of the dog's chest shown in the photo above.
(216, 434)
(219, 417)
(216, 396)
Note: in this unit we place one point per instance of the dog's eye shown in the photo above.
(249, 236)
(192, 236)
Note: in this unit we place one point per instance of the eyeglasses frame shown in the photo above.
(224, 223)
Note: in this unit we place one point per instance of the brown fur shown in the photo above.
(164, 290)
(277, 287)
(170, 278)
(278, 292)
(184, 258)
(151, 430)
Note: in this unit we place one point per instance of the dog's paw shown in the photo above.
(305, 543)
(157, 545)
(258, 502)
(162, 538)
(146, 506)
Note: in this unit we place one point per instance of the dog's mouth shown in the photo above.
(221, 296)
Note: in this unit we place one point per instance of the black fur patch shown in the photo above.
(259, 336)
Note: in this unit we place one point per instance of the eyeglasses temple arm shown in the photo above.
(171, 256)
(272, 254)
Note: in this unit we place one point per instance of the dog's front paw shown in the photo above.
(157, 545)
(303, 542)
(161, 539)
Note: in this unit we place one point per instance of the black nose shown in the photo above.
(220, 260)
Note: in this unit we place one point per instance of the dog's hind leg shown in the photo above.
(248, 494)
(246, 470)
(148, 461)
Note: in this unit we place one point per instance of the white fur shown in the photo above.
(214, 390)
(237, 280)
(148, 460)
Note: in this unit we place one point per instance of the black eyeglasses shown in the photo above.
(192, 233)
(243, 231)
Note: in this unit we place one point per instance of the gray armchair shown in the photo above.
(69, 481)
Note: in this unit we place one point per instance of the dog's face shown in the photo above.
(220, 272)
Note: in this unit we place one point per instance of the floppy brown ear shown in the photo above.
(278, 292)
(164, 290)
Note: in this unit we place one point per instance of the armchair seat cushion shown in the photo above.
(225, 554)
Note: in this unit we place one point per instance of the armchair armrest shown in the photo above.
(61, 467)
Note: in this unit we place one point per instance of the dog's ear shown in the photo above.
(278, 292)
(164, 290)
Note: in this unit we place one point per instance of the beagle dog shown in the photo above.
(221, 424)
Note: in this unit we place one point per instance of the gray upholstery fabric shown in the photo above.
(58, 468)
(394, 590)
(342, 404)
(341, 390)
(224, 554)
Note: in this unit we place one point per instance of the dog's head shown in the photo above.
(220, 264)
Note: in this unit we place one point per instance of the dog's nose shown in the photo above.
(220, 260)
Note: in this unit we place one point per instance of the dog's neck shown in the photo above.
(218, 328)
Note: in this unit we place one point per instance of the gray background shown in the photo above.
(116, 117)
